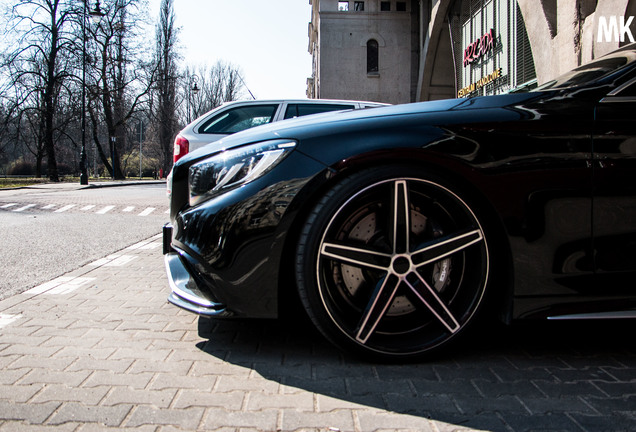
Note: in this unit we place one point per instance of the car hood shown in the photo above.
(297, 128)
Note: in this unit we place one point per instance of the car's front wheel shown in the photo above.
(392, 263)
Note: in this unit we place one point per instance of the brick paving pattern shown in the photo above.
(100, 349)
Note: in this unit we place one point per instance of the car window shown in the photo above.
(299, 110)
(238, 119)
(628, 90)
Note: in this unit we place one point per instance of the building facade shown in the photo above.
(438, 49)
(364, 50)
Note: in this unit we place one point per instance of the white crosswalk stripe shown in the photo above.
(101, 210)
(23, 208)
(65, 208)
(106, 209)
(147, 211)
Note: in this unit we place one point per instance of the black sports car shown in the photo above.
(396, 226)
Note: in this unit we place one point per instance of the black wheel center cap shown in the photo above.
(401, 265)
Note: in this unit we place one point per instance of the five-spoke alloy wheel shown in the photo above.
(392, 266)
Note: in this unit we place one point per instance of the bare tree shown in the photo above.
(10, 141)
(40, 63)
(47, 46)
(22, 121)
(217, 84)
(120, 81)
(165, 98)
(30, 130)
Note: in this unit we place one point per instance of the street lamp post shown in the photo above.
(141, 138)
(113, 141)
(96, 15)
(194, 89)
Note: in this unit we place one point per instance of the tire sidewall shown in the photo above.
(312, 235)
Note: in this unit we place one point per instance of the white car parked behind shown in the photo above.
(236, 116)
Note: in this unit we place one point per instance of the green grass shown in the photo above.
(6, 183)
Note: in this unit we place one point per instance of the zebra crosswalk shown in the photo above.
(140, 211)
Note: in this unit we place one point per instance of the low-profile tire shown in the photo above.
(392, 264)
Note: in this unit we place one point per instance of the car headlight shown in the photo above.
(234, 168)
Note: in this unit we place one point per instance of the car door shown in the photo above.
(615, 191)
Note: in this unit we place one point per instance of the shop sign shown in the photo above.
(479, 48)
(479, 84)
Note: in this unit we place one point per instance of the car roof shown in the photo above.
(308, 101)
(194, 123)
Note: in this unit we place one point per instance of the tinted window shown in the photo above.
(238, 119)
(628, 91)
(299, 110)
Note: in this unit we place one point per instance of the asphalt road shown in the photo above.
(53, 229)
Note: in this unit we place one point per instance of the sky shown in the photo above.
(267, 40)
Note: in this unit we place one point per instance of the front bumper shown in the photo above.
(185, 290)
(225, 254)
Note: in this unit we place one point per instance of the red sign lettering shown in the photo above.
(479, 48)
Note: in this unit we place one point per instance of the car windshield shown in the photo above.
(238, 119)
(592, 71)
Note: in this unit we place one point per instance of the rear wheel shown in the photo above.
(392, 265)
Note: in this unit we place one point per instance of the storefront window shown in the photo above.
(490, 46)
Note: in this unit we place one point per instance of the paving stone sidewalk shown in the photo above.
(100, 349)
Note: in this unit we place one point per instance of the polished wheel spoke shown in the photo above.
(445, 246)
(380, 301)
(356, 256)
(430, 298)
(401, 215)
(402, 264)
